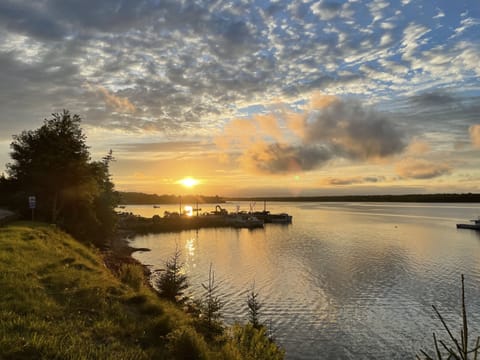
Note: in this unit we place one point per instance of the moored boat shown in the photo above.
(267, 217)
(475, 225)
(244, 221)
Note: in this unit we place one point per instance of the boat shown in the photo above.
(267, 217)
(474, 226)
(241, 220)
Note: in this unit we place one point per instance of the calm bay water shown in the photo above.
(344, 280)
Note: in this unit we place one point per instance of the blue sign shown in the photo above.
(32, 202)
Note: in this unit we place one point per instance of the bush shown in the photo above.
(171, 283)
(249, 343)
(186, 344)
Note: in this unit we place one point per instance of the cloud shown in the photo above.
(421, 169)
(320, 101)
(269, 126)
(288, 141)
(352, 180)
(161, 147)
(119, 103)
(179, 68)
(474, 131)
(355, 131)
(436, 98)
(282, 158)
(326, 10)
(418, 147)
(30, 19)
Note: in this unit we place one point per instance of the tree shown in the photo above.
(211, 305)
(171, 283)
(53, 163)
(254, 307)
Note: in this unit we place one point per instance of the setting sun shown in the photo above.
(188, 182)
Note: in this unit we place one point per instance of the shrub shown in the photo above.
(171, 283)
(249, 343)
(254, 307)
(185, 343)
(210, 307)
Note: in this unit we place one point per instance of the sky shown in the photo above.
(253, 97)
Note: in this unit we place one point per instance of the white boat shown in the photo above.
(245, 221)
(474, 226)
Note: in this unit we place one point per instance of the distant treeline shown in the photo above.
(427, 198)
(137, 198)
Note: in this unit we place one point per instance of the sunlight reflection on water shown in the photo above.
(349, 281)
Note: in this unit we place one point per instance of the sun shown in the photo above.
(188, 182)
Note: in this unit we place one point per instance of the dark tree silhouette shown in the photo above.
(171, 283)
(53, 163)
(254, 307)
(211, 305)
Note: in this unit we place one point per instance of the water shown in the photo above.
(344, 280)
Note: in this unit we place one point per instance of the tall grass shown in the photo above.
(58, 300)
(457, 348)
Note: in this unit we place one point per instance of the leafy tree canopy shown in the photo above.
(53, 163)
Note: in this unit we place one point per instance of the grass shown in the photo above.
(58, 300)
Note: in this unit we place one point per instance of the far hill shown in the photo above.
(138, 198)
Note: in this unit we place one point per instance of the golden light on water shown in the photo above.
(188, 210)
(188, 182)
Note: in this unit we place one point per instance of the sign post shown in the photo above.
(32, 202)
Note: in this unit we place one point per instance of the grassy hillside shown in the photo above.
(59, 301)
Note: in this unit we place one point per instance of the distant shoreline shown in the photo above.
(153, 199)
(424, 198)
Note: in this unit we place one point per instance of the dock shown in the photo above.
(220, 218)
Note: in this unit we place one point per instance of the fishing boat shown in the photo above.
(475, 225)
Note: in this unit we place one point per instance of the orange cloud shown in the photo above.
(296, 123)
(238, 133)
(117, 102)
(418, 147)
(474, 131)
(321, 101)
(421, 169)
(341, 128)
(268, 124)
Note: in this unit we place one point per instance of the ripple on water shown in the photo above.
(332, 291)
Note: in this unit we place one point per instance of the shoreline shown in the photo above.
(119, 253)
